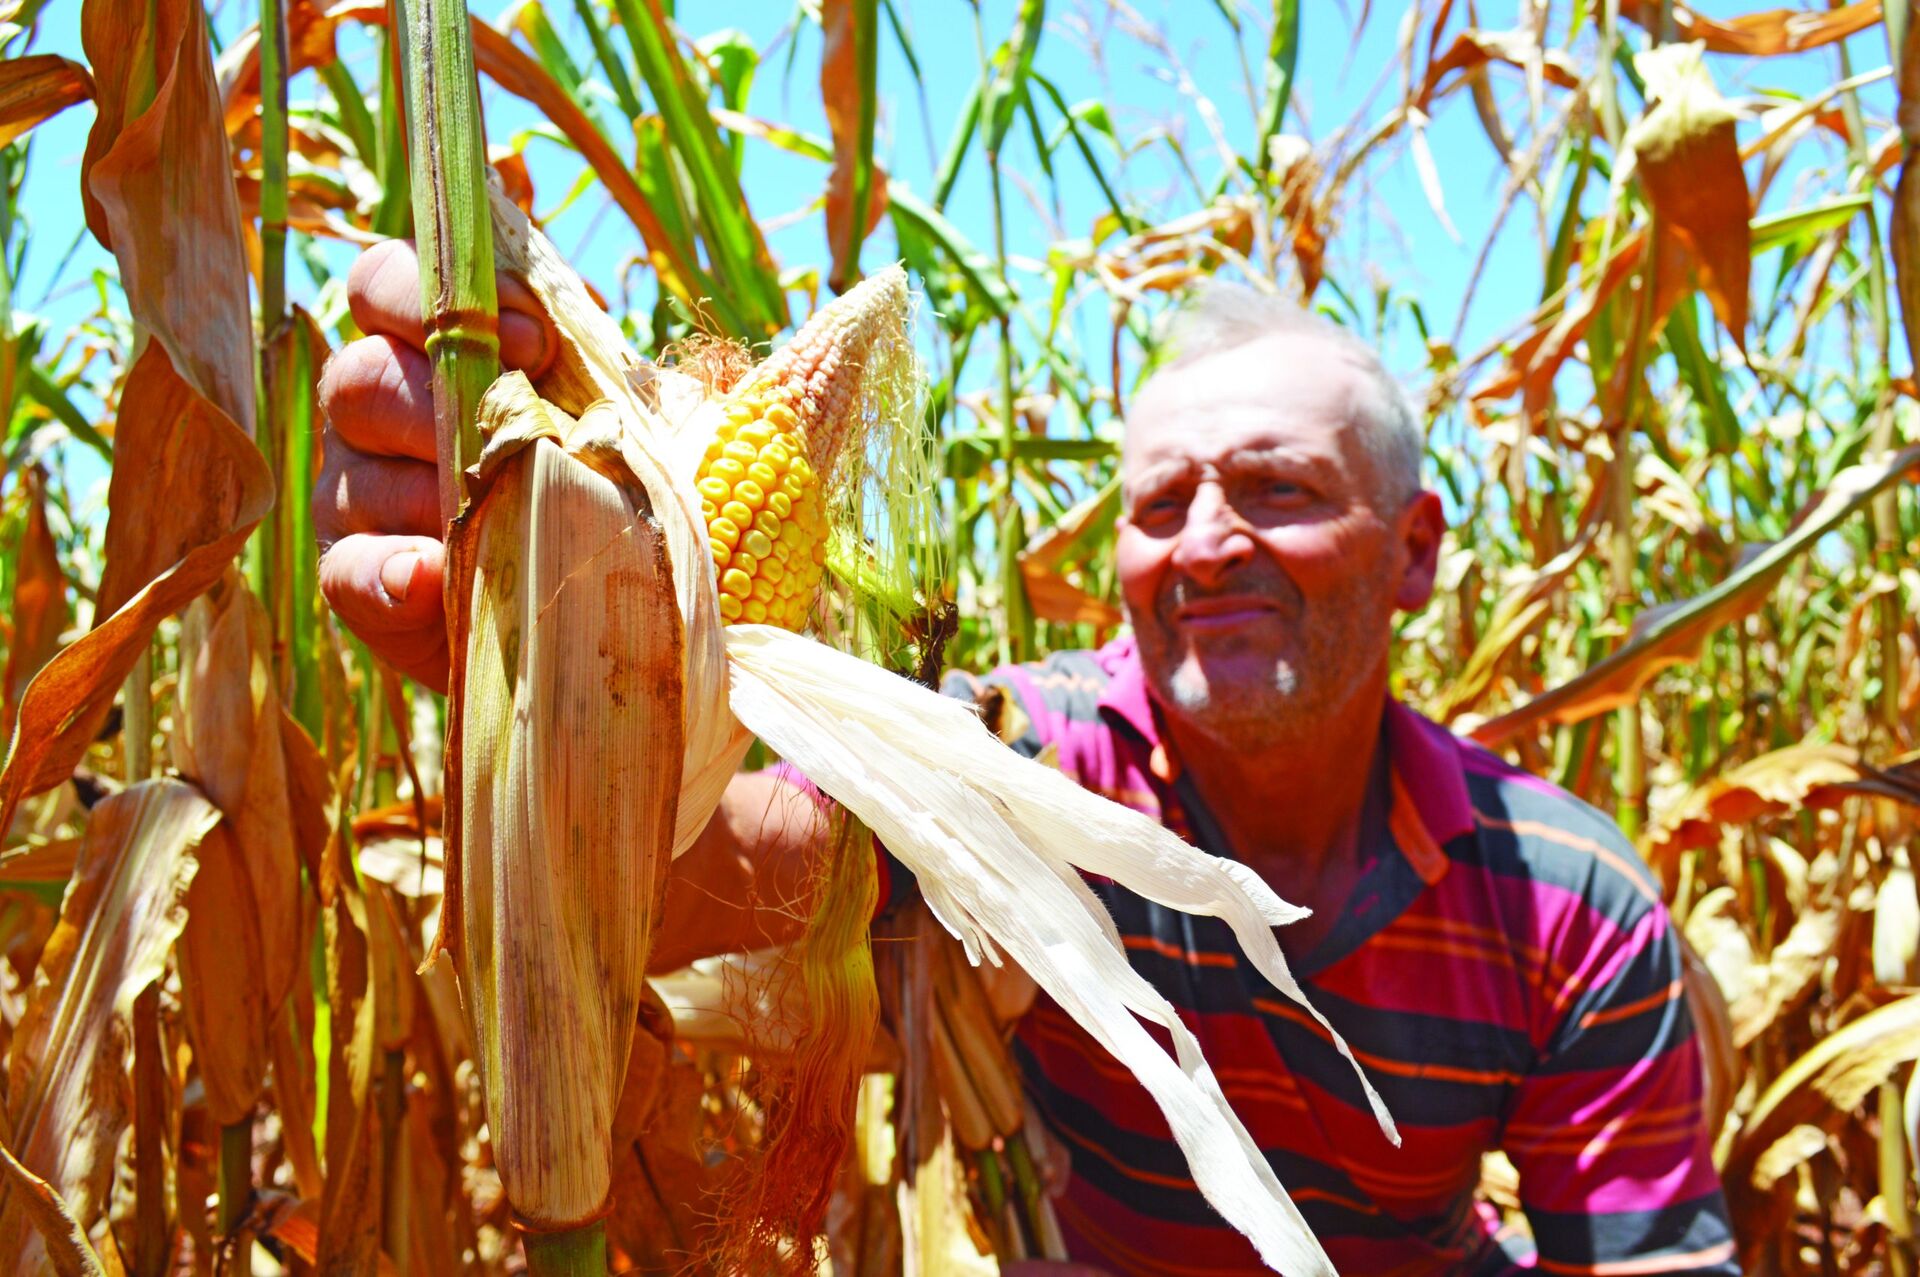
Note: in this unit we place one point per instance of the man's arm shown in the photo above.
(736, 888)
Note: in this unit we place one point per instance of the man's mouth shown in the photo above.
(1221, 613)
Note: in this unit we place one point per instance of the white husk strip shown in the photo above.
(995, 841)
(965, 815)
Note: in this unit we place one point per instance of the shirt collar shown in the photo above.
(1430, 802)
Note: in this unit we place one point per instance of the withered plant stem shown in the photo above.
(235, 1191)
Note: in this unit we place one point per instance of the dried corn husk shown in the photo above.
(563, 779)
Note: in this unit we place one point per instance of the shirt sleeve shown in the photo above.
(1608, 1131)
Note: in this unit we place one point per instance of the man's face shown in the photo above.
(1258, 572)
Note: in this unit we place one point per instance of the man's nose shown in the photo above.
(1214, 540)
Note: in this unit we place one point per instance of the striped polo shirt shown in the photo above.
(1505, 971)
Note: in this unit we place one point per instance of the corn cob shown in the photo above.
(769, 470)
(994, 840)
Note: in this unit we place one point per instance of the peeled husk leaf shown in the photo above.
(563, 783)
(67, 1086)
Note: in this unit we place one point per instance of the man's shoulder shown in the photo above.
(1531, 830)
(1028, 703)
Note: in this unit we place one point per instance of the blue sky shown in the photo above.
(1392, 236)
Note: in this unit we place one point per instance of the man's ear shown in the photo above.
(1421, 527)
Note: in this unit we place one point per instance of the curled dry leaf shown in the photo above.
(1051, 595)
(188, 485)
(67, 1250)
(1820, 1088)
(67, 1071)
(1474, 49)
(1688, 159)
(37, 87)
(1763, 34)
(1783, 781)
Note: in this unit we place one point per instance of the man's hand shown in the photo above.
(376, 507)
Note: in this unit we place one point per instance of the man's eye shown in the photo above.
(1159, 505)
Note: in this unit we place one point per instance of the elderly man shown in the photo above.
(1492, 948)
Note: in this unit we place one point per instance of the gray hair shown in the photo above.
(1217, 316)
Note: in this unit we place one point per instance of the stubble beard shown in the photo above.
(1284, 699)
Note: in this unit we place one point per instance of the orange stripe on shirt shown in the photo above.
(1196, 957)
(1399, 1068)
(1554, 834)
(1659, 997)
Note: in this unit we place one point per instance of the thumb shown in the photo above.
(387, 590)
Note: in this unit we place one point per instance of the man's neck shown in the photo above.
(1292, 808)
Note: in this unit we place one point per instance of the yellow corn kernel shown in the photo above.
(724, 529)
(729, 608)
(735, 582)
(757, 544)
(754, 611)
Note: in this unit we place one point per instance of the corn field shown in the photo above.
(1680, 582)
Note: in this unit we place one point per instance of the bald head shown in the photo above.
(1219, 318)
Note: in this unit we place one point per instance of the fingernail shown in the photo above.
(520, 333)
(396, 575)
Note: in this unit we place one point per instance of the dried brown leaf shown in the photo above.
(159, 193)
(67, 1249)
(40, 610)
(1764, 34)
(245, 941)
(1820, 1088)
(1673, 635)
(1475, 48)
(187, 483)
(1780, 781)
(1688, 160)
(1043, 561)
(37, 87)
(67, 1073)
(841, 99)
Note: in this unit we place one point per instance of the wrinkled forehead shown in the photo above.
(1288, 394)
